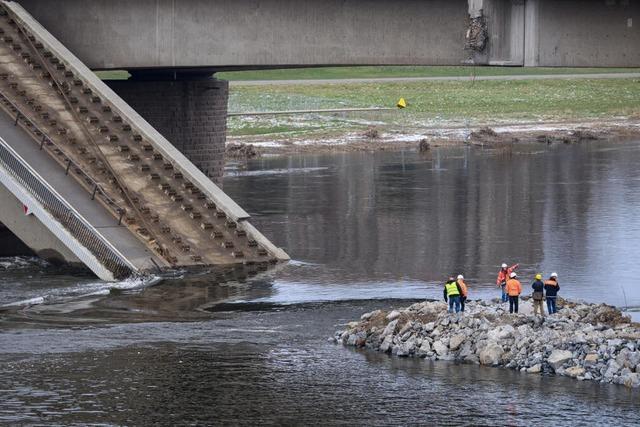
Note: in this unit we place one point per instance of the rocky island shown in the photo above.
(584, 341)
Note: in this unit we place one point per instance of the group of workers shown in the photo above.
(455, 291)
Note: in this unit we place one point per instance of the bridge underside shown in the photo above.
(237, 34)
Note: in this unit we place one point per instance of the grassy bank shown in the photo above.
(430, 103)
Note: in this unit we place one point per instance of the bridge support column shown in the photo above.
(190, 110)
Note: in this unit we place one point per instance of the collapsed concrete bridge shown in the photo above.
(84, 177)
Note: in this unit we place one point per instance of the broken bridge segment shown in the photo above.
(122, 163)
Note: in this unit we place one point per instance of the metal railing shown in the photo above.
(38, 134)
(64, 213)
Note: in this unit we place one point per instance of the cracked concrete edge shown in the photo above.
(266, 243)
(228, 205)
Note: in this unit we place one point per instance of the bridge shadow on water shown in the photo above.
(184, 297)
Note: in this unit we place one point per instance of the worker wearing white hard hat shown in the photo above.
(513, 289)
(464, 291)
(551, 288)
(503, 275)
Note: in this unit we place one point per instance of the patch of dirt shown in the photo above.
(241, 151)
(424, 145)
(570, 137)
(372, 133)
(373, 139)
(487, 137)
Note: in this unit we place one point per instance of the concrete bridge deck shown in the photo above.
(74, 194)
(166, 212)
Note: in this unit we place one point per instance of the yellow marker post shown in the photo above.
(401, 103)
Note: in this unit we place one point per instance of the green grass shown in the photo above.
(404, 71)
(434, 103)
(431, 103)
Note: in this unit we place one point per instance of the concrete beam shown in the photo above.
(586, 33)
(124, 34)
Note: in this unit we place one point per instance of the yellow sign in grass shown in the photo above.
(401, 103)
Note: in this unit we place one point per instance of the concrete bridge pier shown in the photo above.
(189, 108)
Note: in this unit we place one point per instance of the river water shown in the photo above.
(365, 231)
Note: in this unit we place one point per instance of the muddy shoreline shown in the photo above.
(490, 136)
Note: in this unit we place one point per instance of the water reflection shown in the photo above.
(398, 218)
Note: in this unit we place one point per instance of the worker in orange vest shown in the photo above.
(513, 289)
(463, 291)
(503, 276)
(551, 288)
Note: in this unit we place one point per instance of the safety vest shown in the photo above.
(452, 289)
(550, 282)
(463, 287)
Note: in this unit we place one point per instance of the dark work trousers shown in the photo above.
(462, 301)
(513, 304)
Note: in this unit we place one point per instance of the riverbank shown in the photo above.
(442, 112)
(488, 135)
(583, 341)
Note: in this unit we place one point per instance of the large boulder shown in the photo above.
(406, 348)
(406, 328)
(501, 333)
(440, 348)
(557, 358)
(631, 380)
(393, 315)
(456, 341)
(424, 348)
(390, 329)
(574, 371)
(612, 369)
(535, 369)
(369, 315)
(386, 343)
(591, 359)
(491, 354)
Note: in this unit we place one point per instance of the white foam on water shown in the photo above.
(85, 290)
(21, 262)
(30, 301)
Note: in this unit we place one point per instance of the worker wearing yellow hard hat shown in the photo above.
(538, 295)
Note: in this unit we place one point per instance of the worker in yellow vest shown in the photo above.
(452, 293)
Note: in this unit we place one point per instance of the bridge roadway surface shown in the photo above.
(431, 79)
(71, 191)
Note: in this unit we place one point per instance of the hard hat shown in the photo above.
(513, 274)
(460, 276)
(504, 265)
(554, 275)
(538, 276)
